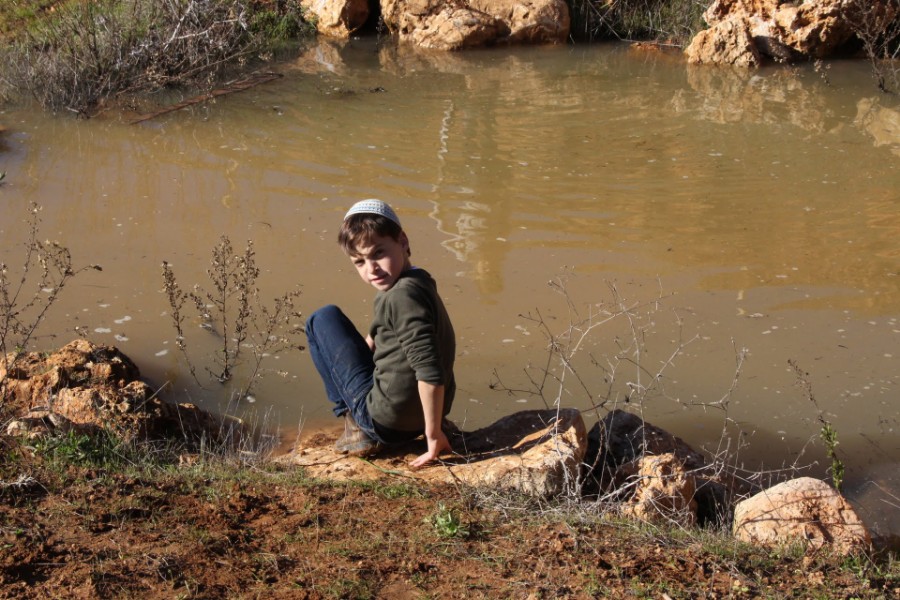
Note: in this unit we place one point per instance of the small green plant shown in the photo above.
(447, 522)
(101, 449)
(233, 312)
(829, 437)
(827, 433)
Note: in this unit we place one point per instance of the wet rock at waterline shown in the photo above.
(803, 510)
(84, 388)
(535, 452)
(742, 31)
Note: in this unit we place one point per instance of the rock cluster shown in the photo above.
(84, 388)
(650, 473)
(450, 24)
(746, 32)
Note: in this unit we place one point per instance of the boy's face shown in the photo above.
(381, 263)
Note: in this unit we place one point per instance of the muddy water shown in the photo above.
(732, 216)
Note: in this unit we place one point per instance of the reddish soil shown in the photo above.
(213, 532)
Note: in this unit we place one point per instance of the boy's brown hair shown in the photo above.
(362, 228)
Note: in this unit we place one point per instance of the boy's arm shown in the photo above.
(370, 342)
(432, 397)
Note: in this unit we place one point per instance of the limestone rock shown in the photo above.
(663, 491)
(338, 18)
(458, 24)
(804, 510)
(725, 43)
(622, 444)
(529, 21)
(783, 31)
(84, 387)
(534, 452)
(440, 24)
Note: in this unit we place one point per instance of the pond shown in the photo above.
(739, 229)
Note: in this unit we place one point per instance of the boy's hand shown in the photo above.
(437, 444)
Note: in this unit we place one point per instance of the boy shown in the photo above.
(397, 383)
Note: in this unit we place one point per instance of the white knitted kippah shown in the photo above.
(373, 206)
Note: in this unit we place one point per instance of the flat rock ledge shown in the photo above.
(535, 452)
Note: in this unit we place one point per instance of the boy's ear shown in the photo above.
(404, 241)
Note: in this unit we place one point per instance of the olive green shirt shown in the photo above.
(414, 341)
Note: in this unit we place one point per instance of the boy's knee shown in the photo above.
(326, 313)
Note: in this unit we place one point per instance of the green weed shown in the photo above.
(102, 449)
(446, 522)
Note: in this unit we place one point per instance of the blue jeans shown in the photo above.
(344, 362)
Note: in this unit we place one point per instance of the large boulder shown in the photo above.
(803, 510)
(458, 24)
(534, 452)
(778, 29)
(337, 18)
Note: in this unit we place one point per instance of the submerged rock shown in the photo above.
(534, 452)
(803, 510)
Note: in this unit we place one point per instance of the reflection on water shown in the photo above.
(762, 205)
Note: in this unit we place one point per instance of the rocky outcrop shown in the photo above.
(803, 510)
(337, 18)
(742, 30)
(458, 24)
(535, 452)
(84, 388)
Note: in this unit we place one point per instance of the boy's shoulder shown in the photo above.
(412, 283)
(415, 277)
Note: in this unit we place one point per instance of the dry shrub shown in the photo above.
(877, 25)
(671, 21)
(85, 52)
